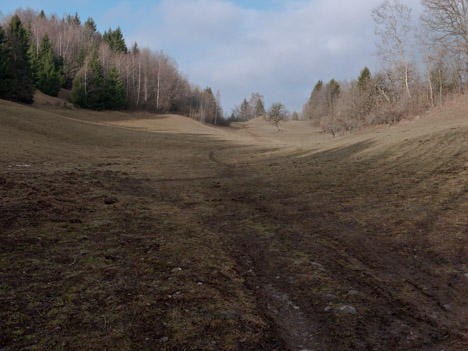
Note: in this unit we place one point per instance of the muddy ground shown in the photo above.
(115, 239)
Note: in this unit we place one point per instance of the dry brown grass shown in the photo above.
(119, 230)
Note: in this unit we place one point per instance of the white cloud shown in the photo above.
(281, 53)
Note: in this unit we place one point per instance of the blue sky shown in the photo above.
(279, 48)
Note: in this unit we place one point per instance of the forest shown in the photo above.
(49, 53)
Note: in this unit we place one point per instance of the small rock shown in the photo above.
(353, 292)
(164, 339)
(466, 275)
(447, 307)
(297, 262)
(330, 296)
(110, 200)
(346, 309)
(327, 309)
(175, 270)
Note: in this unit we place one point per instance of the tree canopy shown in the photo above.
(16, 49)
(115, 40)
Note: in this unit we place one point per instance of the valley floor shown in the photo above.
(139, 232)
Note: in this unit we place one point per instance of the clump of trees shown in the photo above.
(405, 85)
(47, 70)
(94, 91)
(50, 53)
(249, 109)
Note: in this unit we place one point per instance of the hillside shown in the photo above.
(134, 231)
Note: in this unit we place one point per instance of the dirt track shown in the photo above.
(124, 239)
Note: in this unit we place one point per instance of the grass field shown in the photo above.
(124, 231)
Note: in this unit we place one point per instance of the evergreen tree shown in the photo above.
(364, 79)
(114, 91)
(90, 25)
(115, 40)
(87, 90)
(95, 92)
(317, 89)
(244, 111)
(259, 108)
(79, 90)
(75, 20)
(5, 65)
(33, 63)
(21, 87)
(50, 76)
(365, 101)
(81, 57)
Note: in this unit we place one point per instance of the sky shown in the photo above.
(277, 48)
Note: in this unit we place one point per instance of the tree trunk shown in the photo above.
(139, 79)
(158, 87)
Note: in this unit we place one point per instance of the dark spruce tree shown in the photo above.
(95, 88)
(87, 90)
(79, 89)
(90, 25)
(50, 77)
(33, 62)
(115, 40)
(114, 91)
(6, 59)
(21, 87)
(364, 78)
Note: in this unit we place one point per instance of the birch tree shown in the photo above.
(394, 28)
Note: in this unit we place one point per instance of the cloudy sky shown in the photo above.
(279, 48)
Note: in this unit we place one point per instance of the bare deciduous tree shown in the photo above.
(393, 26)
(447, 19)
(277, 113)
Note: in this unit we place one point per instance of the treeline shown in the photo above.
(50, 53)
(422, 65)
(254, 107)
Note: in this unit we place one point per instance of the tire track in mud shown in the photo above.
(294, 326)
(291, 324)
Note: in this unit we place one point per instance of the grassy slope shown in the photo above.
(126, 229)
